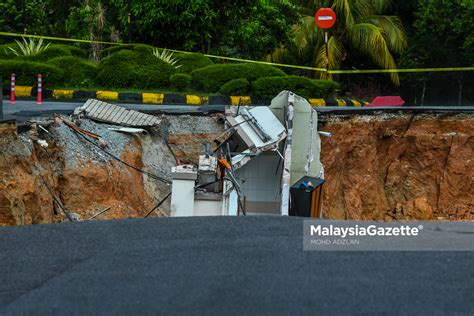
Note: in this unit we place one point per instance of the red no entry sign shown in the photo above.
(325, 18)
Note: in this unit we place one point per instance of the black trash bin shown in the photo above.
(306, 197)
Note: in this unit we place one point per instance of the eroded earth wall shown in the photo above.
(376, 167)
(399, 167)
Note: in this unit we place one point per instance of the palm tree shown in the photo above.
(361, 28)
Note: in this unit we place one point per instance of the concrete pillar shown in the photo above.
(182, 194)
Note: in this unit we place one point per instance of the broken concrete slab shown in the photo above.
(115, 114)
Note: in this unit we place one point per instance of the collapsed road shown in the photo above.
(377, 166)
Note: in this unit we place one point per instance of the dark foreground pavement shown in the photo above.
(226, 265)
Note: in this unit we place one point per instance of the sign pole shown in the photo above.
(327, 48)
(325, 18)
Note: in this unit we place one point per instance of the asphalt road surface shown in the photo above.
(24, 110)
(218, 266)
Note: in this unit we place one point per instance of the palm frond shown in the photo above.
(334, 58)
(380, 6)
(306, 34)
(393, 29)
(369, 39)
(343, 8)
(167, 57)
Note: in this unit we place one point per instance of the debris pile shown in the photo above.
(75, 168)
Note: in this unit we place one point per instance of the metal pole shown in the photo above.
(12, 89)
(327, 49)
(129, 20)
(40, 89)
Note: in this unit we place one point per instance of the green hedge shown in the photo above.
(211, 78)
(6, 53)
(27, 73)
(180, 82)
(130, 69)
(268, 87)
(190, 62)
(140, 48)
(54, 51)
(77, 72)
(239, 86)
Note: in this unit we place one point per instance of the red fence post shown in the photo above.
(12, 90)
(40, 89)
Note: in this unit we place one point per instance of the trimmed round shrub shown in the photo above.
(77, 72)
(211, 78)
(190, 62)
(141, 48)
(130, 69)
(239, 86)
(27, 72)
(73, 50)
(116, 48)
(268, 87)
(180, 82)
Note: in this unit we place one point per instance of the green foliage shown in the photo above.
(239, 86)
(268, 87)
(6, 52)
(211, 78)
(443, 36)
(116, 48)
(190, 62)
(247, 27)
(166, 56)
(29, 47)
(266, 27)
(180, 82)
(127, 69)
(78, 72)
(26, 72)
(72, 50)
(363, 32)
(53, 51)
(24, 16)
(140, 48)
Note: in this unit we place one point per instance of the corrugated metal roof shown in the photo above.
(115, 114)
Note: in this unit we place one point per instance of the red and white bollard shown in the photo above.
(40, 89)
(12, 90)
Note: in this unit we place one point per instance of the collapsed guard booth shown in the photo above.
(268, 165)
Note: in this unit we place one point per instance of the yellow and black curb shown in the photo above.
(161, 98)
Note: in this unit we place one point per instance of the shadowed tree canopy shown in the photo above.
(245, 28)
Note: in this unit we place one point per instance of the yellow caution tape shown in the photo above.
(333, 72)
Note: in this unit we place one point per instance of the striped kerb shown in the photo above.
(193, 100)
(244, 100)
(63, 94)
(317, 102)
(154, 98)
(23, 91)
(107, 95)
